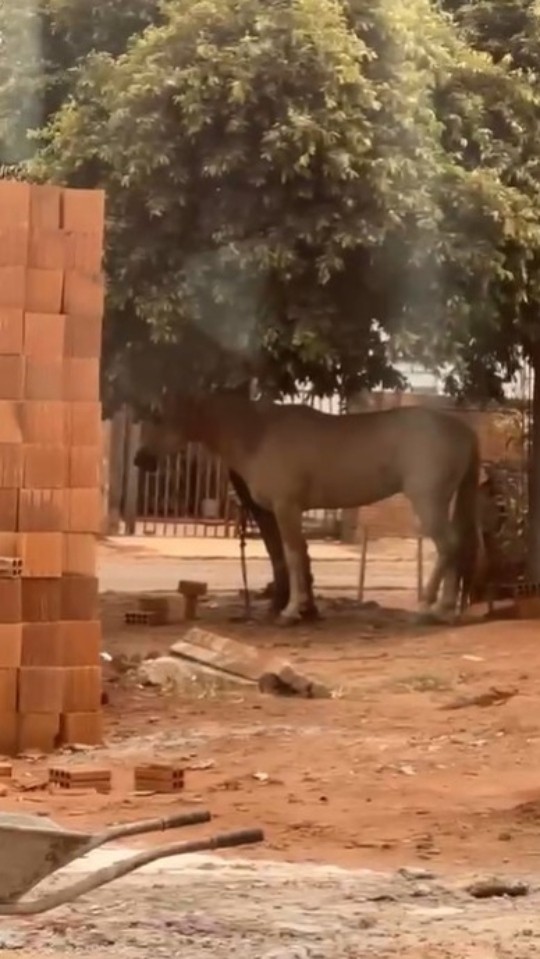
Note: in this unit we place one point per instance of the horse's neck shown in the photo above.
(227, 437)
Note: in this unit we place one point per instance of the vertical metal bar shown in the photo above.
(166, 494)
(362, 566)
(420, 568)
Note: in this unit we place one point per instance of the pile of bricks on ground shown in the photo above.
(155, 777)
(166, 609)
(51, 309)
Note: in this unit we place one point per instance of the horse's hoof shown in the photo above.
(425, 617)
(310, 614)
(288, 619)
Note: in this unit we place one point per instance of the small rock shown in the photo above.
(415, 873)
(494, 886)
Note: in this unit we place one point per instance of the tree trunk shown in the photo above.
(533, 565)
(271, 537)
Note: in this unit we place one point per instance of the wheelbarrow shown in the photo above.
(33, 848)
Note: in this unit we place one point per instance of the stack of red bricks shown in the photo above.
(51, 309)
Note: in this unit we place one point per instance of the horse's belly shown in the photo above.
(350, 491)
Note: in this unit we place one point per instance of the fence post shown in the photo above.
(132, 476)
(116, 454)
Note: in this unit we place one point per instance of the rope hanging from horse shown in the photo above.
(242, 530)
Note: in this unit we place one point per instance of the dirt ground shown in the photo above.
(399, 769)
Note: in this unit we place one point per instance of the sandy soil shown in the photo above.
(382, 776)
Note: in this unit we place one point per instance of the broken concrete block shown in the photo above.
(168, 608)
(286, 681)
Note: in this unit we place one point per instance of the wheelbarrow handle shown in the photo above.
(244, 837)
(175, 821)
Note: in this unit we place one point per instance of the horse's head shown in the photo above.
(166, 431)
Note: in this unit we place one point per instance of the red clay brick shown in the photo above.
(84, 295)
(44, 335)
(44, 380)
(41, 689)
(45, 207)
(81, 380)
(44, 467)
(42, 644)
(9, 733)
(41, 600)
(48, 250)
(13, 287)
(41, 510)
(11, 377)
(44, 289)
(11, 601)
(83, 511)
(8, 690)
(81, 643)
(80, 777)
(83, 338)
(84, 252)
(11, 330)
(10, 642)
(82, 426)
(80, 600)
(11, 425)
(84, 467)
(11, 462)
(43, 423)
(15, 202)
(83, 728)
(79, 554)
(82, 689)
(83, 211)
(8, 514)
(14, 248)
(41, 555)
(38, 731)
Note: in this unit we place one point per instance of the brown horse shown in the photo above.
(294, 458)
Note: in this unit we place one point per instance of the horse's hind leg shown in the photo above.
(289, 519)
(435, 524)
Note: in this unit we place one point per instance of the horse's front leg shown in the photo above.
(289, 520)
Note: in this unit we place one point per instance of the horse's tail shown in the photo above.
(467, 523)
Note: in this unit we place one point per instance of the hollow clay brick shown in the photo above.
(83, 211)
(84, 295)
(10, 545)
(81, 380)
(83, 511)
(41, 554)
(84, 252)
(11, 330)
(45, 207)
(41, 600)
(80, 600)
(84, 467)
(83, 338)
(82, 689)
(82, 424)
(44, 335)
(12, 370)
(44, 289)
(10, 642)
(41, 689)
(8, 733)
(44, 467)
(42, 644)
(43, 422)
(44, 380)
(81, 643)
(11, 462)
(85, 729)
(13, 287)
(8, 514)
(15, 202)
(48, 250)
(41, 510)
(14, 248)
(8, 690)
(10, 602)
(38, 731)
(79, 554)
(11, 428)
